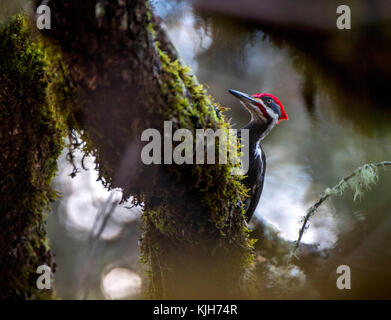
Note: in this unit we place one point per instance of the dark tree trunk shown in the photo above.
(121, 78)
(30, 142)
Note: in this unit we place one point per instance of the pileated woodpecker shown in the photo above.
(266, 111)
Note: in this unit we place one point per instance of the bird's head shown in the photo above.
(263, 107)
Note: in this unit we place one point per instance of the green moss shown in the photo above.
(193, 222)
(32, 129)
(172, 229)
(193, 107)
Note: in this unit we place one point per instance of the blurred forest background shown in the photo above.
(333, 84)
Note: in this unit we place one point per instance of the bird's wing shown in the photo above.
(256, 187)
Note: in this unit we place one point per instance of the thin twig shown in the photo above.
(311, 211)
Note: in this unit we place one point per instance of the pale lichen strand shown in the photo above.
(361, 180)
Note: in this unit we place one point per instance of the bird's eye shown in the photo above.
(269, 101)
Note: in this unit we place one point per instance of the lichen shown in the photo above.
(360, 181)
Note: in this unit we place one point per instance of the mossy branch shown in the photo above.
(359, 181)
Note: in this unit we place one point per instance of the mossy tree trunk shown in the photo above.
(31, 133)
(122, 76)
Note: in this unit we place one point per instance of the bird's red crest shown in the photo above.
(283, 116)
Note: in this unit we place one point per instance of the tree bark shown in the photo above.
(30, 142)
(117, 77)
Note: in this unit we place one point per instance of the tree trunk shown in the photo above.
(30, 142)
(121, 78)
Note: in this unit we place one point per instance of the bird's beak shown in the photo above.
(243, 96)
(248, 102)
